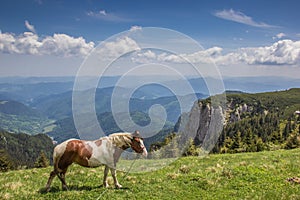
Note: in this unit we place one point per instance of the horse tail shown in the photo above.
(56, 158)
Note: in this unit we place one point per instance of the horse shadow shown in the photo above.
(56, 189)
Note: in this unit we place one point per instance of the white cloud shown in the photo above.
(29, 26)
(118, 47)
(204, 56)
(106, 16)
(279, 36)
(102, 12)
(283, 52)
(240, 17)
(62, 44)
(135, 28)
(144, 57)
(59, 44)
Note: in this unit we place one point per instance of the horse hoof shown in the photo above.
(105, 185)
(47, 189)
(118, 186)
(65, 188)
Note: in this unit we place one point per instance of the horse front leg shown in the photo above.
(114, 175)
(105, 184)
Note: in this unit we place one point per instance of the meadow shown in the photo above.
(261, 175)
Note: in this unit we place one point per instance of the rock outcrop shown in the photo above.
(204, 123)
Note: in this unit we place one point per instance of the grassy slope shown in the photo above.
(232, 176)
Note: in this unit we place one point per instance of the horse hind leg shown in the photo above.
(60, 175)
(62, 178)
(51, 177)
(62, 166)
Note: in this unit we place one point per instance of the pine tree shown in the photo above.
(287, 129)
(260, 146)
(5, 163)
(191, 149)
(42, 161)
(237, 142)
(248, 139)
(276, 137)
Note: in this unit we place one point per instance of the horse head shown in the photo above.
(137, 144)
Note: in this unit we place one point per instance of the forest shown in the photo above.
(23, 150)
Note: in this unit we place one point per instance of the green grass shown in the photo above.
(231, 176)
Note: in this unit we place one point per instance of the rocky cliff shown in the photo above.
(244, 121)
(204, 123)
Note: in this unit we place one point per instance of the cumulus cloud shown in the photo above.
(58, 44)
(240, 17)
(283, 52)
(30, 27)
(118, 47)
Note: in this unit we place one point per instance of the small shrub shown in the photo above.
(184, 169)
(172, 176)
(226, 172)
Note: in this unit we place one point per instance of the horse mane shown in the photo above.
(121, 140)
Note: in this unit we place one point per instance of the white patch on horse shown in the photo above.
(100, 154)
(145, 153)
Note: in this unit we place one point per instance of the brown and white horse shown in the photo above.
(104, 151)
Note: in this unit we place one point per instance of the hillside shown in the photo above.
(16, 108)
(286, 102)
(226, 176)
(19, 118)
(253, 122)
(22, 149)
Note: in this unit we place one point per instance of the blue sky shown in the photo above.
(262, 36)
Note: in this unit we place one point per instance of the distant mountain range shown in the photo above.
(27, 89)
(35, 105)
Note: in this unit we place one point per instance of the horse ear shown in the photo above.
(136, 134)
